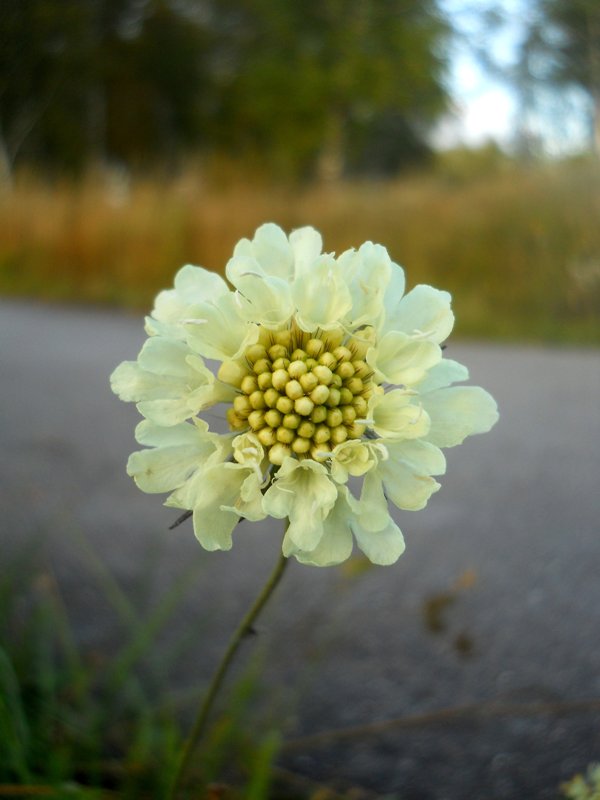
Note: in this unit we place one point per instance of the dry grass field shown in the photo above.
(518, 248)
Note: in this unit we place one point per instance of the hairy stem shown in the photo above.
(243, 629)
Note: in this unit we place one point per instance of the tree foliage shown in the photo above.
(568, 31)
(87, 79)
(562, 49)
(346, 85)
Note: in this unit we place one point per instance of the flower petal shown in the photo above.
(169, 382)
(422, 457)
(372, 510)
(219, 331)
(213, 527)
(335, 544)
(248, 503)
(177, 452)
(217, 496)
(199, 285)
(247, 450)
(163, 356)
(443, 374)
(393, 296)
(170, 411)
(193, 286)
(406, 488)
(457, 412)
(382, 547)
(152, 435)
(306, 245)
(395, 416)
(271, 248)
(260, 298)
(129, 383)
(355, 457)
(303, 492)
(305, 531)
(424, 312)
(160, 371)
(367, 274)
(321, 296)
(398, 358)
(165, 468)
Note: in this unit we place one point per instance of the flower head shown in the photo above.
(328, 372)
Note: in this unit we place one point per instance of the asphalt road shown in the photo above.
(496, 600)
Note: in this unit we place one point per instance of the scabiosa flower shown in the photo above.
(335, 390)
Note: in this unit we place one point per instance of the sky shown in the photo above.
(484, 107)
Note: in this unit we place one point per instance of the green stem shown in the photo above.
(243, 629)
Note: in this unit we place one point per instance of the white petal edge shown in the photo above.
(457, 412)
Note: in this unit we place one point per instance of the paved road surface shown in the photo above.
(512, 539)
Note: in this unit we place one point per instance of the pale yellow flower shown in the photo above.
(328, 372)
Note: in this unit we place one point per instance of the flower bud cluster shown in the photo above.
(302, 395)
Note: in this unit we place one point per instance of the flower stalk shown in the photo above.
(244, 628)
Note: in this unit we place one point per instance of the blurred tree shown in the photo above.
(562, 48)
(41, 60)
(156, 75)
(548, 54)
(328, 86)
(87, 80)
(336, 85)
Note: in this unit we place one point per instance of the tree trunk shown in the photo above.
(330, 166)
(593, 52)
(6, 166)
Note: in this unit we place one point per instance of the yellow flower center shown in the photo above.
(301, 393)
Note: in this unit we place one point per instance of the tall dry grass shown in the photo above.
(519, 250)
